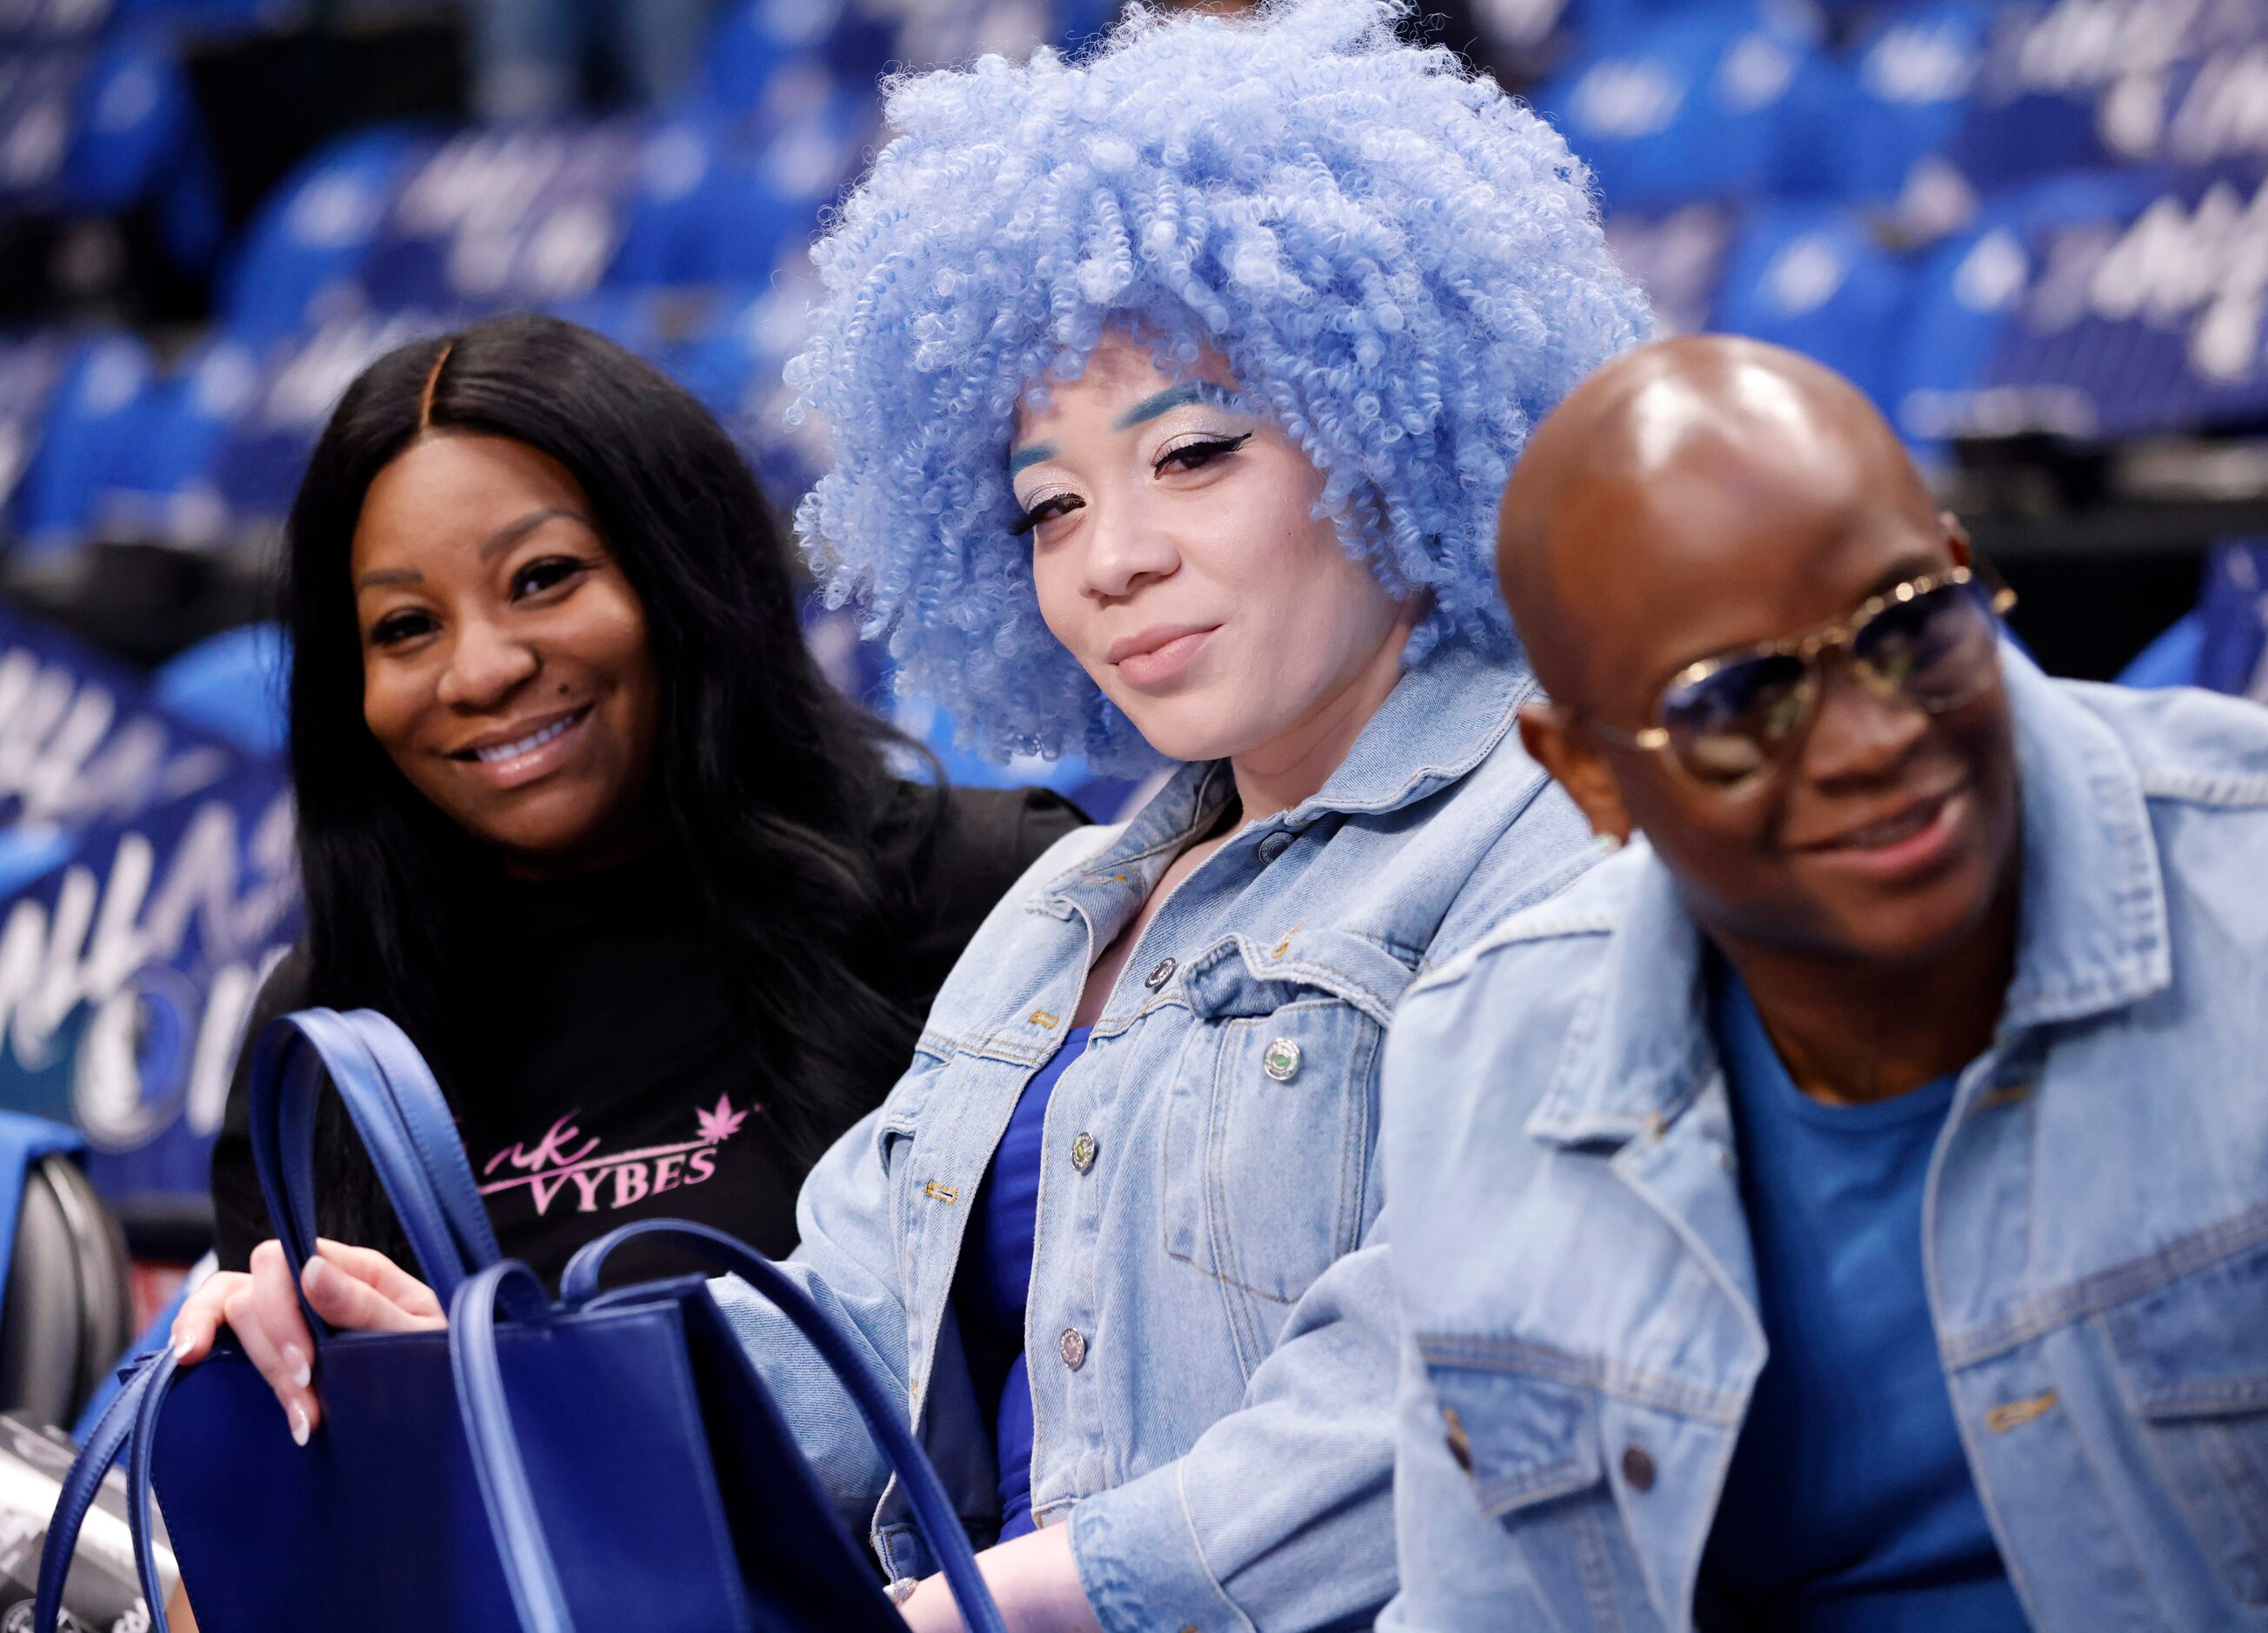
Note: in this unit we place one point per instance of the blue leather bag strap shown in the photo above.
(513, 1522)
(405, 1126)
(114, 1430)
(141, 1446)
(934, 1509)
(432, 1131)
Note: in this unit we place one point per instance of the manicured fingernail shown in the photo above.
(296, 1359)
(300, 1429)
(182, 1347)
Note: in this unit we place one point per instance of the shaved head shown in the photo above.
(1706, 498)
(1667, 452)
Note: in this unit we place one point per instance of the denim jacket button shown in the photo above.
(1281, 1060)
(1160, 972)
(1637, 1467)
(1275, 845)
(1082, 1151)
(1072, 1347)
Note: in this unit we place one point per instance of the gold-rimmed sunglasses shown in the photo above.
(1932, 641)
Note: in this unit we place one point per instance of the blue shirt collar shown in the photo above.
(2092, 933)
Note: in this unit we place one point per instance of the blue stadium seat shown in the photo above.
(231, 685)
(1813, 276)
(301, 258)
(2143, 318)
(2233, 650)
(2223, 644)
(95, 419)
(169, 490)
(1695, 106)
(2082, 84)
(506, 217)
(719, 196)
(1897, 100)
(1968, 293)
(103, 129)
(755, 39)
(137, 137)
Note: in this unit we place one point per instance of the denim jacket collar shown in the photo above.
(1444, 716)
(2092, 933)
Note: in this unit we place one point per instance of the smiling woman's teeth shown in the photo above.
(525, 746)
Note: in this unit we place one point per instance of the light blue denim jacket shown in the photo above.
(1211, 1330)
(1573, 1265)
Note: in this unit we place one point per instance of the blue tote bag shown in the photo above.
(613, 1461)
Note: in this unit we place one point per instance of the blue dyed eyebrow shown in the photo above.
(1149, 409)
(1173, 397)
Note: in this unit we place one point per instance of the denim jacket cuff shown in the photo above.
(1139, 1564)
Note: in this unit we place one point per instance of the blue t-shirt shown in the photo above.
(1850, 1507)
(993, 1283)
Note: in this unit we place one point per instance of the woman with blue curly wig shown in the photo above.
(1172, 390)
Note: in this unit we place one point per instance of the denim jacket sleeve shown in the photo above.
(1193, 1544)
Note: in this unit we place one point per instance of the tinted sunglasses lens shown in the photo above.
(1937, 649)
(1729, 724)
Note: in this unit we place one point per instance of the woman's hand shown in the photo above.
(351, 1288)
(1034, 1579)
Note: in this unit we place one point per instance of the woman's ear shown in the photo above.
(1547, 731)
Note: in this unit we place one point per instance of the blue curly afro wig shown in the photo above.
(1402, 265)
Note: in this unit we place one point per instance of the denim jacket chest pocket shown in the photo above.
(2191, 1360)
(1272, 1117)
(1533, 1446)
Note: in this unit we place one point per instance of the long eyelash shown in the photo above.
(1031, 518)
(1207, 445)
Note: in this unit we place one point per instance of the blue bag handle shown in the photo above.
(128, 1422)
(405, 1126)
(505, 1488)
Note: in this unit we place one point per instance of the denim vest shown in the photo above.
(1573, 1265)
(1211, 1329)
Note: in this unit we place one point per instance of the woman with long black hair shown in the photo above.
(578, 809)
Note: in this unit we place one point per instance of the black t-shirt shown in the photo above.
(615, 1083)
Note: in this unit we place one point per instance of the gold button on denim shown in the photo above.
(1072, 1347)
(1280, 1060)
(1082, 1151)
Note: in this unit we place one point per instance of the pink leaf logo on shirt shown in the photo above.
(720, 1123)
(616, 1180)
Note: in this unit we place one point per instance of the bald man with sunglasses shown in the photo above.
(1845, 1208)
